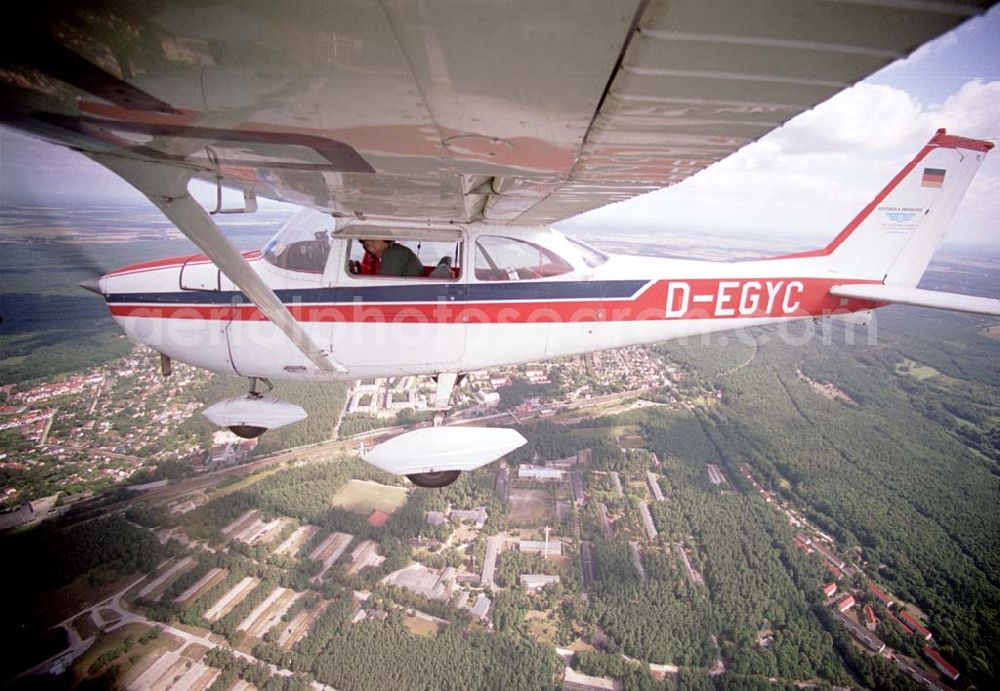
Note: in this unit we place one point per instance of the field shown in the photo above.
(419, 626)
(362, 496)
(916, 370)
(530, 507)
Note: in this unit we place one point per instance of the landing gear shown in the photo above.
(434, 480)
(252, 414)
(247, 431)
(253, 387)
(252, 431)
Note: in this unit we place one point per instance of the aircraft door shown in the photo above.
(401, 322)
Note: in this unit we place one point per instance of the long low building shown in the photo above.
(943, 665)
(537, 472)
(538, 546)
(647, 521)
(493, 546)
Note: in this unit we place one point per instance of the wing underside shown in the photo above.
(512, 112)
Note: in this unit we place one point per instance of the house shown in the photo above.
(829, 589)
(942, 664)
(481, 607)
(915, 625)
(870, 621)
(845, 603)
(880, 594)
(478, 515)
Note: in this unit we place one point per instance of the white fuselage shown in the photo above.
(388, 326)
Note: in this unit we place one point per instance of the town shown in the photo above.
(522, 545)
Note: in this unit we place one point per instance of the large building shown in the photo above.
(537, 472)
(539, 546)
(942, 664)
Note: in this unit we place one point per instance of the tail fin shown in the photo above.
(895, 235)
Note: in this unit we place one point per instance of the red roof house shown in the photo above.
(845, 603)
(880, 594)
(942, 664)
(870, 621)
(912, 622)
(378, 518)
(902, 624)
(829, 589)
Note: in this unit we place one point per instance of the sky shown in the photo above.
(810, 177)
(805, 180)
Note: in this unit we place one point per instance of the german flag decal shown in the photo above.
(933, 177)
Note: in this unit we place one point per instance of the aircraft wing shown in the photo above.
(521, 111)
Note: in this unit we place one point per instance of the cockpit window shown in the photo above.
(303, 244)
(433, 258)
(591, 257)
(500, 258)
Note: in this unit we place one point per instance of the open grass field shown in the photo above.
(916, 370)
(362, 496)
(530, 507)
(419, 626)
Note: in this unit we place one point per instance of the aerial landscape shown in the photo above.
(775, 508)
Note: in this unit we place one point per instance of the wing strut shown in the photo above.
(167, 188)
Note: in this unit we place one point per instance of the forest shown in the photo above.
(903, 469)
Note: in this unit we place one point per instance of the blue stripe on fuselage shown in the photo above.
(428, 292)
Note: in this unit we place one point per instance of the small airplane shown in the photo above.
(441, 130)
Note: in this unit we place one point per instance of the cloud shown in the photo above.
(810, 177)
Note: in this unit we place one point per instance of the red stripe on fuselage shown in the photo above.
(168, 262)
(748, 298)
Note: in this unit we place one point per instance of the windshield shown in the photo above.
(591, 257)
(500, 258)
(303, 244)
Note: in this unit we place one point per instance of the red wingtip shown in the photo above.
(942, 138)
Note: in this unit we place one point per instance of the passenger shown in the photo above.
(393, 259)
(443, 269)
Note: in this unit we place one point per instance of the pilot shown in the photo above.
(393, 259)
